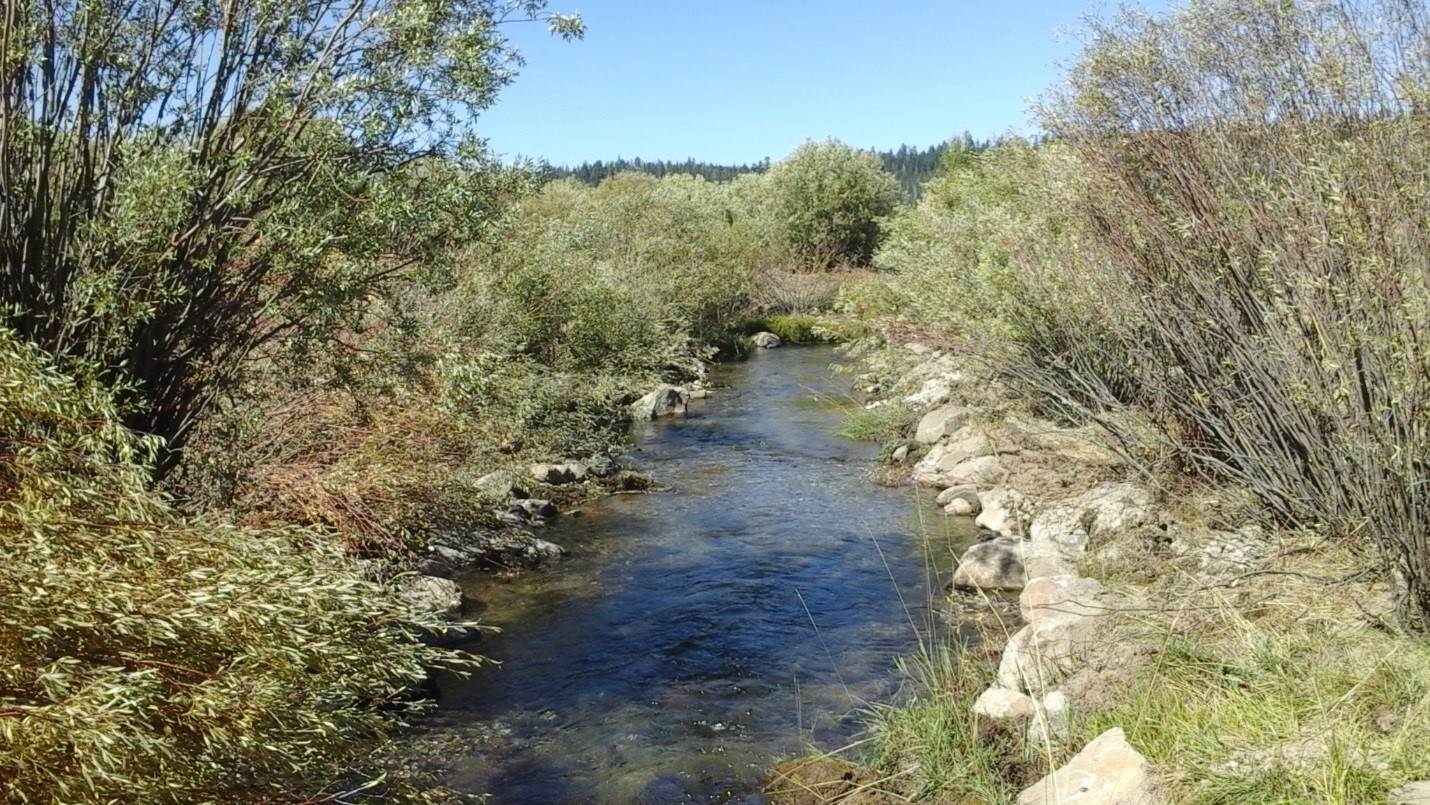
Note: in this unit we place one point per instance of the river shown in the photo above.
(699, 634)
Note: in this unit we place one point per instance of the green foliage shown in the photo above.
(829, 201)
(146, 656)
(883, 424)
(795, 328)
(206, 181)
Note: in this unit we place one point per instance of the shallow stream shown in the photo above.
(697, 635)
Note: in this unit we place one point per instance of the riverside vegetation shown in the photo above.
(1208, 289)
(272, 318)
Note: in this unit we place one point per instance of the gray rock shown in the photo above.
(936, 467)
(501, 484)
(767, 340)
(1412, 794)
(664, 401)
(533, 508)
(1234, 552)
(991, 565)
(946, 496)
(432, 594)
(942, 422)
(1001, 704)
(451, 552)
(901, 454)
(553, 474)
(965, 505)
(1108, 771)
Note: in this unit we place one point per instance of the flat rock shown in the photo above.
(1108, 771)
(942, 422)
(1412, 794)
(553, 474)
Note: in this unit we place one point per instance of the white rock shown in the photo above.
(767, 340)
(1001, 704)
(935, 391)
(1005, 511)
(941, 422)
(1061, 628)
(963, 506)
(1108, 771)
(901, 454)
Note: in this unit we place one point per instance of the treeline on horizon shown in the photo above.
(911, 166)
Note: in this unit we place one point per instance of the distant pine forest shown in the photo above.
(911, 166)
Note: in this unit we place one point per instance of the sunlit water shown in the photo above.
(697, 635)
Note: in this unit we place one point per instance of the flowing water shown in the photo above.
(697, 635)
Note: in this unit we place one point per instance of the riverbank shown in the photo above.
(1162, 645)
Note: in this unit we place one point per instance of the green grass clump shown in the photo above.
(149, 656)
(1252, 707)
(795, 328)
(883, 424)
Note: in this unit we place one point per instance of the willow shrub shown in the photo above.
(146, 656)
(1258, 172)
(1228, 235)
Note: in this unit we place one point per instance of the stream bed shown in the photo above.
(695, 636)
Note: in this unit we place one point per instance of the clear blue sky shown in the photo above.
(735, 81)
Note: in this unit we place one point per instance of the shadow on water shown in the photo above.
(674, 656)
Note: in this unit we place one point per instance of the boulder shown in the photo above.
(533, 508)
(901, 454)
(991, 565)
(553, 474)
(1066, 527)
(1060, 631)
(501, 485)
(432, 594)
(1108, 771)
(664, 401)
(942, 422)
(767, 340)
(981, 471)
(1006, 511)
(1001, 704)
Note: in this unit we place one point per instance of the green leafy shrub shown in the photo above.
(828, 201)
(146, 656)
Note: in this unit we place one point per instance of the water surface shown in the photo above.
(697, 635)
